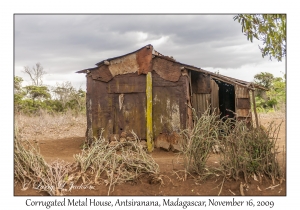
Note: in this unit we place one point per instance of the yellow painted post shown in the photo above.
(149, 112)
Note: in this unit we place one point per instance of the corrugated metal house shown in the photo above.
(151, 94)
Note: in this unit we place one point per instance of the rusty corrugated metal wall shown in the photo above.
(169, 105)
(116, 96)
(201, 102)
(117, 100)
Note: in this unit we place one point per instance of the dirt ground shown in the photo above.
(64, 148)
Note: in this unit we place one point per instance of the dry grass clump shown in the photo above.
(251, 152)
(116, 164)
(198, 141)
(32, 170)
(246, 150)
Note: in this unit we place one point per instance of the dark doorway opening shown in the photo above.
(226, 99)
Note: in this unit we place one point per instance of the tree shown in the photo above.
(277, 94)
(18, 92)
(17, 83)
(64, 92)
(274, 98)
(264, 79)
(35, 73)
(69, 96)
(37, 92)
(270, 29)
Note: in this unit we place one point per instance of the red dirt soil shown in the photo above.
(169, 162)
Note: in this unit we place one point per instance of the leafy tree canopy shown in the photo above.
(35, 92)
(268, 28)
(274, 98)
(18, 83)
(264, 79)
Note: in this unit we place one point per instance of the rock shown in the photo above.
(174, 138)
(162, 141)
(175, 148)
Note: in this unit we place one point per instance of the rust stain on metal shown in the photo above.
(168, 70)
(144, 60)
(102, 74)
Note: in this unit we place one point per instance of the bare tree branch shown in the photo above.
(35, 73)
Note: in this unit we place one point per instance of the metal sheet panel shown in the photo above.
(144, 60)
(124, 65)
(130, 114)
(100, 108)
(169, 105)
(201, 103)
(102, 74)
(129, 83)
(166, 69)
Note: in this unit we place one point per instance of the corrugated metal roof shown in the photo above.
(224, 78)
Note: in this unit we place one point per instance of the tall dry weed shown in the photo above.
(197, 142)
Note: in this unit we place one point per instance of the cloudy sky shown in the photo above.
(64, 44)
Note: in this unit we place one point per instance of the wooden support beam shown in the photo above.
(150, 144)
(254, 109)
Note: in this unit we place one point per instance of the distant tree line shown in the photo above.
(32, 98)
(275, 98)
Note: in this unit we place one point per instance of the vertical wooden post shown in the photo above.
(150, 145)
(254, 108)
